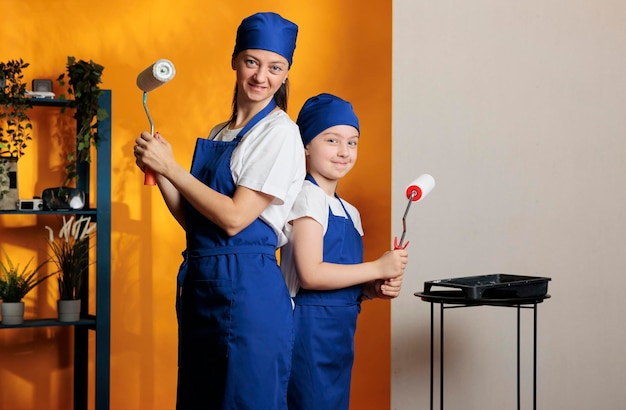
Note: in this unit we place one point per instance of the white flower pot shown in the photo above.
(69, 310)
(12, 313)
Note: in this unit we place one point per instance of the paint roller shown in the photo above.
(150, 79)
(416, 191)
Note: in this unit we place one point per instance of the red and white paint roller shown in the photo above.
(416, 191)
(148, 80)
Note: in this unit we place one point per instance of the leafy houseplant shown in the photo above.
(83, 84)
(70, 254)
(13, 110)
(15, 128)
(15, 285)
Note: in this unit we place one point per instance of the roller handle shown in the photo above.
(149, 177)
(149, 79)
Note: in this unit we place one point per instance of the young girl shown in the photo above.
(323, 261)
(235, 314)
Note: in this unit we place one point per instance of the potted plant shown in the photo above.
(15, 128)
(70, 254)
(14, 286)
(83, 84)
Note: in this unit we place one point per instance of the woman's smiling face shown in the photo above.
(260, 74)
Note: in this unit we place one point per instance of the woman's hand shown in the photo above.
(154, 152)
(390, 288)
(383, 289)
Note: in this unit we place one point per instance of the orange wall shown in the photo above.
(343, 48)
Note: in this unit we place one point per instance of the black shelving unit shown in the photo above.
(100, 322)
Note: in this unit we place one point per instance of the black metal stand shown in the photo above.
(457, 300)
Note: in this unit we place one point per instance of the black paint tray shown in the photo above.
(494, 286)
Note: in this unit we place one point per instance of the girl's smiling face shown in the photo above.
(332, 153)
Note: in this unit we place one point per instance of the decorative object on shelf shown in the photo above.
(8, 183)
(14, 286)
(41, 89)
(42, 85)
(63, 198)
(84, 79)
(15, 126)
(28, 205)
(71, 257)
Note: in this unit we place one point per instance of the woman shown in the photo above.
(235, 329)
(324, 259)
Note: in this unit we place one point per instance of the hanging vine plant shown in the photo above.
(15, 128)
(83, 84)
(15, 125)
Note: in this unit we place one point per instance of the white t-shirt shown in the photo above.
(269, 159)
(312, 202)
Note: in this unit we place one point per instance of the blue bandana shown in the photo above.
(322, 112)
(267, 31)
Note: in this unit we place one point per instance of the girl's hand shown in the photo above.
(393, 263)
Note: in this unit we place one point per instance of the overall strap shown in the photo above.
(258, 117)
(310, 178)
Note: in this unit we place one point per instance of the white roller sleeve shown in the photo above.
(156, 75)
(421, 187)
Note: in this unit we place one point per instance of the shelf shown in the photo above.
(100, 322)
(57, 212)
(50, 322)
(48, 102)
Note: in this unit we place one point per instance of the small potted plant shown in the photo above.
(15, 128)
(70, 254)
(14, 286)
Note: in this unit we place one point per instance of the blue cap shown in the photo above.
(267, 31)
(322, 112)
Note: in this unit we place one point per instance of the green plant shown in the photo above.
(71, 256)
(15, 284)
(83, 84)
(15, 124)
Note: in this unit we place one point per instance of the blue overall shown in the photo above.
(324, 325)
(235, 315)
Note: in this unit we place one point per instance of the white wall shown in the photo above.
(517, 108)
